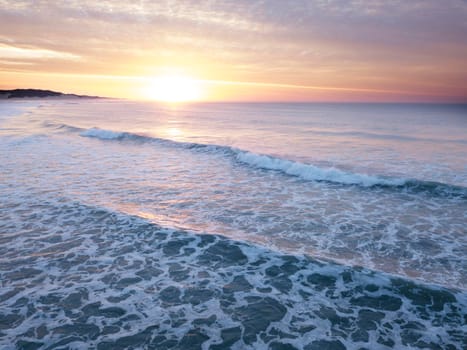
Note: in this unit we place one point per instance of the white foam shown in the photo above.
(102, 134)
(311, 172)
(305, 171)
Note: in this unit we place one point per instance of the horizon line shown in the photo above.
(380, 95)
(79, 95)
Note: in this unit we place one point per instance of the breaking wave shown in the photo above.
(304, 171)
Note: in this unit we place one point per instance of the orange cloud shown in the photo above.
(334, 50)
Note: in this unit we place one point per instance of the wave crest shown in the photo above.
(314, 173)
(304, 171)
(103, 134)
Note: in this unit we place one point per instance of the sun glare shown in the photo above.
(173, 89)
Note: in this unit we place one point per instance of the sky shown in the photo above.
(240, 50)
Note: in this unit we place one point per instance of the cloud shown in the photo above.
(247, 23)
(21, 53)
(304, 42)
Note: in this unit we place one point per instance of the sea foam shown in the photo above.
(102, 134)
(314, 173)
(304, 171)
(307, 172)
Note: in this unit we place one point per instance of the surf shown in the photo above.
(304, 171)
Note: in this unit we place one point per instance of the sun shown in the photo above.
(173, 89)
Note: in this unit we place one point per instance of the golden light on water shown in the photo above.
(174, 132)
(173, 89)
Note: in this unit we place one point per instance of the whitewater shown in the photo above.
(130, 224)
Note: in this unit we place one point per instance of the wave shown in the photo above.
(62, 127)
(314, 173)
(304, 171)
(301, 170)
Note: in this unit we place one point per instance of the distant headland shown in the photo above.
(33, 93)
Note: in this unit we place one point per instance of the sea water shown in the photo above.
(231, 225)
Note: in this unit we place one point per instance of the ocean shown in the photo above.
(136, 225)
